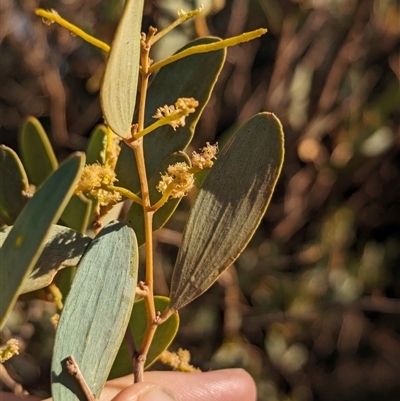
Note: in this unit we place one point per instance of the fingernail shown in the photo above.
(156, 394)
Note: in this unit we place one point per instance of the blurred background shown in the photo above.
(312, 307)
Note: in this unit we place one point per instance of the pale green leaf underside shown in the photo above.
(25, 242)
(96, 313)
(119, 86)
(229, 207)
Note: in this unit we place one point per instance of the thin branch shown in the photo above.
(73, 370)
(137, 146)
(182, 18)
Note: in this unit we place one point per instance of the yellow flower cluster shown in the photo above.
(94, 178)
(178, 361)
(183, 107)
(178, 180)
(9, 350)
(204, 159)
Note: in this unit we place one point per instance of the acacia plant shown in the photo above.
(111, 325)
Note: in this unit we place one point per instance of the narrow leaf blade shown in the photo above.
(63, 248)
(77, 213)
(13, 185)
(80, 209)
(25, 242)
(119, 85)
(97, 146)
(36, 151)
(229, 207)
(96, 313)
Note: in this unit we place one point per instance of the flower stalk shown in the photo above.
(52, 16)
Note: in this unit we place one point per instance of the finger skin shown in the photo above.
(219, 385)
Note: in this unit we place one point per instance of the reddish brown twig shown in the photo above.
(73, 370)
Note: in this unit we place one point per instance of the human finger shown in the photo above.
(219, 385)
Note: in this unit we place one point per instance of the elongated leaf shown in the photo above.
(222, 141)
(25, 242)
(80, 210)
(36, 151)
(135, 216)
(13, 185)
(96, 313)
(77, 213)
(64, 280)
(162, 339)
(193, 76)
(229, 207)
(97, 146)
(63, 248)
(119, 85)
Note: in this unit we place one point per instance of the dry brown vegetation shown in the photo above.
(312, 307)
